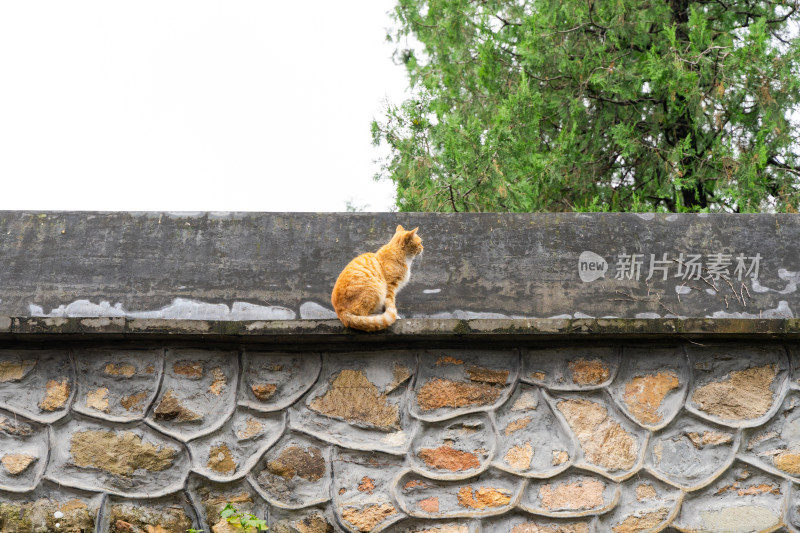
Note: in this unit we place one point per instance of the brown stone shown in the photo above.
(448, 458)
(219, 383)
(189, 369)
(579, 527)
(763, 488)
(586, 372)
(448, 360)
(526, 401)
(315, 523)
(120, 454)
(400, 375)
(537, 376)
(752, 490)
(645, 394)
(414, 484)
(263, 391)
(429, 505)
(37, 516)
(123, 370)
(788, 462)
(56, 395)
(483, 497)
(17, 463)
(486, 375)
(134, 402)
(438, 393)
(367, 518)
(519, 457)
(586, 493)
(221, 460)
(516, 425)
(307, 463)
(150, 369)
(559, 457)
(367, 485)
(645, 492)
(641, 522)
(744, 395)
(354, 398)
(603, 440)
(11, 371)
(252, 428)
(171, 408)
(139, 518)
(709, 438)
(98, 399)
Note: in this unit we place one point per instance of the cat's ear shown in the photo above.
(399, 228)
(413, 231)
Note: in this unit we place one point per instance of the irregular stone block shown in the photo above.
(775, 446)
(453, 449)
(518, 523)
(358, 402)
(609, 443)
(199, 391)
(49, 507)
(274, 381)
(743, 500)
(570, 368)
(210, 498)
(458, 382)
(117, 385)
(690, 453)
(230, 452)
(168, 514)
(651, 384)
(362, 490)
(24, 446)
(793, 511)
(38, 384)
(646, 504)
(739, 386)
(318, 519)
(572, 494)
(491, 493)
(532, 441)
(133, 460)
(295, 473)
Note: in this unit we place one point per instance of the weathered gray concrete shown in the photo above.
(282, 266)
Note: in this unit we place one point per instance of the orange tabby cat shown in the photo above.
(370, 282)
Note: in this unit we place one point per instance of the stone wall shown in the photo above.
(137, 435)
(567, 373)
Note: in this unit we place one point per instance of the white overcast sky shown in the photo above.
(245, 105)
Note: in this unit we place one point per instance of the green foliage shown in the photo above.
(245, 521)
(582, 105)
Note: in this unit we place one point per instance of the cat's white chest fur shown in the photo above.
(407, 275)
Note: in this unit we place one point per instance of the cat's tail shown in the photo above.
(370, 322)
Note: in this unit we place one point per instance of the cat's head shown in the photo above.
(408, 240)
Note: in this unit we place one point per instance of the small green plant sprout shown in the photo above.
(193, 530)
(246, 521)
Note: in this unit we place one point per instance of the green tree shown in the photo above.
(576, 105)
